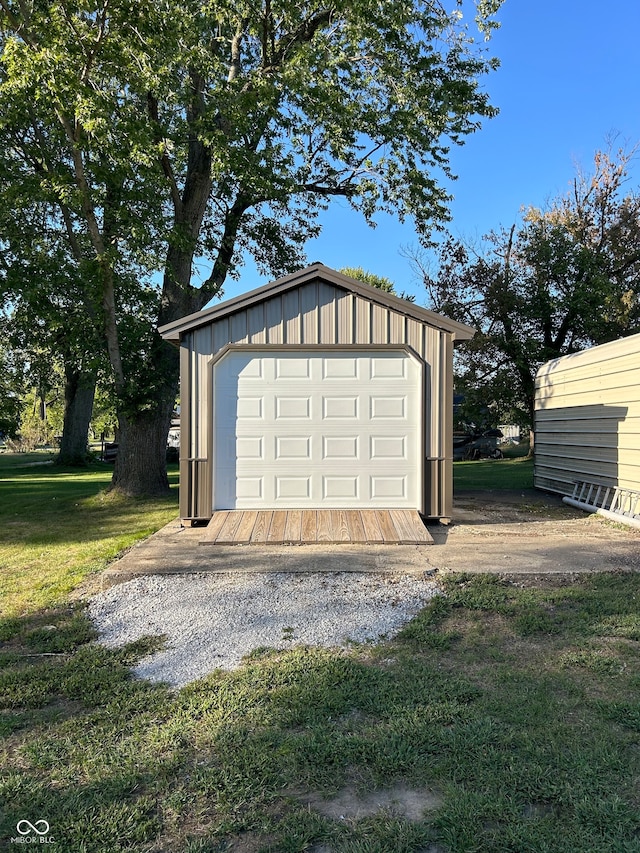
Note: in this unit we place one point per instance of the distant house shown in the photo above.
(316, 391)
(587, 418)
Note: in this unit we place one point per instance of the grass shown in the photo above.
(494, 474)
(59, 524)
(516, 704)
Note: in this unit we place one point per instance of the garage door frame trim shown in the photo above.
(318, 348)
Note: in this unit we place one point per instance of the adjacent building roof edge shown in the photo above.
(591, 355)
(173, 331)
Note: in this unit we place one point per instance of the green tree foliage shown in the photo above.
(158, 133)
(11, 387)
(379, 281)
(566, 279)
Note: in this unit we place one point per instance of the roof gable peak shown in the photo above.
(316, 271)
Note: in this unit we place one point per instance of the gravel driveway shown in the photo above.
(212, 621)
(326, 595)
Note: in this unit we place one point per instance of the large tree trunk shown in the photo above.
(141, 467)
(141, 463)
(79, 392)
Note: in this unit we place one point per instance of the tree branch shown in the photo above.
(165, 163)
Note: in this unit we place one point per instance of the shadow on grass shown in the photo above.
(495, 696)
(70, 505)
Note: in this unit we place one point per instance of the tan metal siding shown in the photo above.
(433, 380)
(316, 313)
(257, 324)
(588, 418)
(379, 324)
(362, 329)
(291, 317)
(415, 336)
(327, 333)
(345, 317)
(397, 328)
(239, 332)
(309, 310)
(221, 334)
(274, 313)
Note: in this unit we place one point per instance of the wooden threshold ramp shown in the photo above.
(316, 527)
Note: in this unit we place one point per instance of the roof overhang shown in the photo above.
(173, 332)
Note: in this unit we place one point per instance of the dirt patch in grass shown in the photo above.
(399, 801)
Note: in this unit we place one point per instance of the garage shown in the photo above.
(316, 428)
(316, 392)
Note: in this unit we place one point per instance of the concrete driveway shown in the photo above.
(503, 532)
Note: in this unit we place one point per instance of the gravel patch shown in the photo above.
(211, 621)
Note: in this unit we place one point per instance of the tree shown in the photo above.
(379, 281)
(566, 279)
(49, 324)
(212, 131)
(11, 385)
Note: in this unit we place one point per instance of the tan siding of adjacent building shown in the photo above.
(317, 313)
(587, 420)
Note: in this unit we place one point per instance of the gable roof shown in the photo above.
(173, 332)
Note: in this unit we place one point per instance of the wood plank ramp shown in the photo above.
(316, 527)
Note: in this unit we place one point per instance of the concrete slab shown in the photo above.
(506, 533)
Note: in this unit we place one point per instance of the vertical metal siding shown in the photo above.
(257, 324)
(397, 328)
(239, 331)
(316, 313)
(310, 312)
(291, 317)
(344, 318)
(327, 331)
(379, 324)
(362, 326)
(415, 336)
(221, 334)
(274, 313)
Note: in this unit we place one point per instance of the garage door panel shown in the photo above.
(292, 408)
(245, 447)
(340, 447)
(340, 488)
(292, 368)
(247, 408)
(340, 368)
(289, 488)
(292, 447)
(340, 408)
(388, 408)
(386, 368)
(388, 447)
(250, 488)
(389, 487)
(311, 430)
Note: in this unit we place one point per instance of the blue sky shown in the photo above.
(569, 79)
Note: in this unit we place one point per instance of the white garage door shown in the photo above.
(296, 429)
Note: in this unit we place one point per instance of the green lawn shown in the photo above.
(495, 474)
(516, 706)
(59, 524)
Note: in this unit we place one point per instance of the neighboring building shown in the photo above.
(316, 391)
(510, 433)
(587, 419)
